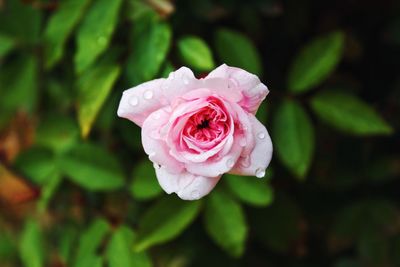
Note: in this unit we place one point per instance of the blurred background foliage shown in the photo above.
(76, 188)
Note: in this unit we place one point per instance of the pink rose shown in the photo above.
(195, 130)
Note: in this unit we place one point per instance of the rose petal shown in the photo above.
(138, 102)
(260, 157)
(186, 185)
(254, 92)
(176, 123)
(217, 167)
(179, 83)
(221, 87)
(246, 139)
(154, 145)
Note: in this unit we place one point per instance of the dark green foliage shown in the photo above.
(236, 49)
(293, 133)
(225, 222)
(164, 221)
(195, 53)
(144, 181)
(77, 190)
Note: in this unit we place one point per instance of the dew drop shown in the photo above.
(148, 95)
(133, 101)
(152, 154)
(261, 135)
(260, 173)
(230, 163)
(195, 194)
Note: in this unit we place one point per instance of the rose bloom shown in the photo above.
(195, 130)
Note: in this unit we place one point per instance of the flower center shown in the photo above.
(203, 124)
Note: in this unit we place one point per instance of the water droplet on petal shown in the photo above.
(195, 194)
(261, 135)
(260, 173)
(156, 166)
(148, 95)
(230, 163)
(152, 154)
(134, 101)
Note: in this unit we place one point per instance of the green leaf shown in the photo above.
(92, 167)
(94, 86)
(90, 260)
(315, 62)
(89, 242)
(250, 190)
(48, 190)
(145, 184)
(38, 164)
(106, 118)
(349, 114)
(293, 134)
(66, 242)
(138, 9)
(18, 84)
(6, 45)
(60, 27)
(119, 251)
(196, 53)
(165, 221)
(167, 69)
(95, 33)
(225, 223)
(238, 50)
(57, 132)
(8, 249)
(31, 245)
(151, 43)
(21, 21)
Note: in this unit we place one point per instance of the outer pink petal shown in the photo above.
(179, 83)
(138, 102)
(186, 185)
(221, 87)
(260, 157)
(154, 145)
(254, 92)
